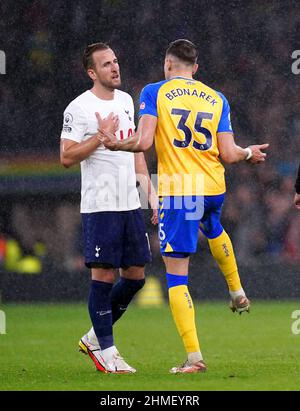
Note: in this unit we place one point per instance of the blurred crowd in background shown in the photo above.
(244, 52)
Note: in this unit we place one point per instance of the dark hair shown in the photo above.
(184, 50)
(87, 58)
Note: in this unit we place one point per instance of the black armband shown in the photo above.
(297, 185)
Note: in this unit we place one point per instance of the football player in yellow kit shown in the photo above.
(191, 125)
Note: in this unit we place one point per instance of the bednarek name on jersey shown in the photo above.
(178, 92)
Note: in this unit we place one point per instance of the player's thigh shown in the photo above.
(136, 247)
(178, 226)
(210, 223)
(102, 234)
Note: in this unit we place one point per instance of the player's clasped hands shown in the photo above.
(258, 155)
(107, 128)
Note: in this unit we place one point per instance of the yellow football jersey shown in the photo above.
(189, 116)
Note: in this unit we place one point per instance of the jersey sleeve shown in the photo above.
(148, 100)
(131, 103)
(74, 124)
(225, 121)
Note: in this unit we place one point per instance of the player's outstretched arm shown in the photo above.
(142, 140)
(72, 152)
(231, 153)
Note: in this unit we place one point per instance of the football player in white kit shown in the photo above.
(113, 228)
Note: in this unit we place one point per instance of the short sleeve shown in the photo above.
(225, 121)
(132, 107)
(148, 100)
(75, 123)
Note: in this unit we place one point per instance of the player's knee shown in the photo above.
(135, 285)
(104, 274)
(134, 272)
(213, 231)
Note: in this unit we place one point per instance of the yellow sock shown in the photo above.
(222, 250)
(184, 316)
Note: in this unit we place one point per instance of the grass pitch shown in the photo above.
(248, 352)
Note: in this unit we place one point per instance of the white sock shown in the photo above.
(108, 353)
(194, 357)
(234, 294)
(92, 337)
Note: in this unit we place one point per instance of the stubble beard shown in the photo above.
(110, 85)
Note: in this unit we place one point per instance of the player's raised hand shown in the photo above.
(297, 201)
(258, 155)
(109, 124)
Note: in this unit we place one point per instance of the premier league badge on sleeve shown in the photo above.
(68, 120)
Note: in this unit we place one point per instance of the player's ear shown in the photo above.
(195, 68)
(168, 64)
(92, 74)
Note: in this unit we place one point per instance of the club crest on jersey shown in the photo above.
(127, 112)
(142, 106)
(97, 249)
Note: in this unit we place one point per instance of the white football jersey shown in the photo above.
(108, 179)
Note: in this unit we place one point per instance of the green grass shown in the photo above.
(248, 352)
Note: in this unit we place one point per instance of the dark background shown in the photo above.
(245, 52)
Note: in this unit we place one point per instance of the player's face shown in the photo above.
(106, 68)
